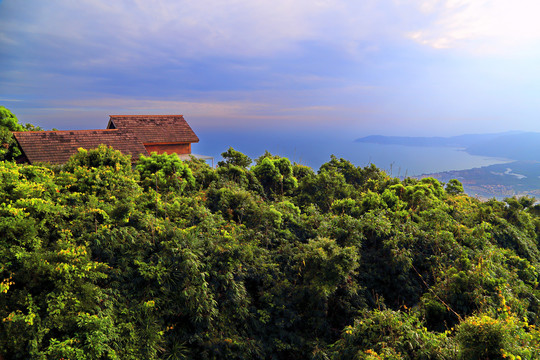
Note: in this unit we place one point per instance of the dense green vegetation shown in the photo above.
(264, 260)
(9, 123)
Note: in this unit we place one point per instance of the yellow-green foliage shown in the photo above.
(176, 260)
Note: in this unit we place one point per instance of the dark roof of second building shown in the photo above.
(155, 128)
(56, 147)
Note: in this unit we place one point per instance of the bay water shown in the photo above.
(314, 150)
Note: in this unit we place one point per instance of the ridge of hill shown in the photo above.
(511, 145)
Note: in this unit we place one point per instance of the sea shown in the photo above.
(315, 149)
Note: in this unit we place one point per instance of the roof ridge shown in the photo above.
(146, 116)
(57, 131)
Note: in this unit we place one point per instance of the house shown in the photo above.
(134, 135)
(159, 133)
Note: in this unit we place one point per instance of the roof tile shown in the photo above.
(56, 147)
(155, 128)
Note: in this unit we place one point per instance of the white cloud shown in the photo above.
(132, 33)
(480, 26)
(192, 28)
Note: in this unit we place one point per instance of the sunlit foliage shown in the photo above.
(168, 259)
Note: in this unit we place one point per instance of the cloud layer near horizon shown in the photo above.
(369, 65)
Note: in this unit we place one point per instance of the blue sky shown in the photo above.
(349, 68)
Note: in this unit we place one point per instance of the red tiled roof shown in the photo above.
(155, 128)
(56, 147)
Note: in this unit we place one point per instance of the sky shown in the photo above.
(323, 68)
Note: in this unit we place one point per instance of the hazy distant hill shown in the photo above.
(525, 146)
(512, 145)
(453, 141)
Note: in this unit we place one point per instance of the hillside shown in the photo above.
(511, 145)
(460, 141)
(518, 178)
(524, 147)
(263, 260)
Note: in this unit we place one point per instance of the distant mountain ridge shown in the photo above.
(512, 145)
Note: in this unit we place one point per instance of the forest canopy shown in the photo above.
(259, 260)
(9, 150)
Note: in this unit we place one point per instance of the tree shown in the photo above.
(236, 158)
(8, 123)
(202, 172)
(454, 187)
(9, 149)
(322, 189)
(276, 176)
(165, 172)
(362, 178)
(103, 155)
